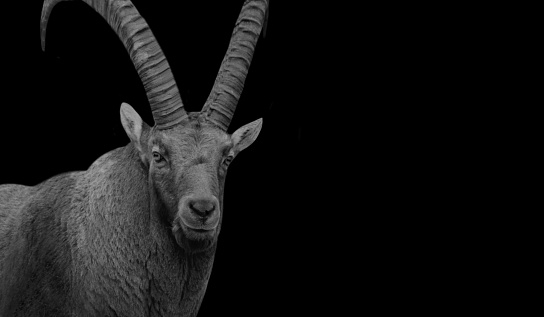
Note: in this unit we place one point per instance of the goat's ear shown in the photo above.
(244, 136)
(133, 124)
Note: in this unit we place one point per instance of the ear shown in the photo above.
(134, 126)
(244, 136)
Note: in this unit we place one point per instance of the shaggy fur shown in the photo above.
(125, 237)
(110, 241)
(87, 244)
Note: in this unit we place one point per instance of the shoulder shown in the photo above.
(12, 196)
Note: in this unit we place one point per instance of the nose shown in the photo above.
(203, 208)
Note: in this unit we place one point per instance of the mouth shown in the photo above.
(195, 239)
(199, 230)
(198, 226)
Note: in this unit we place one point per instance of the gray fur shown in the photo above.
(108, 241)
(128, 236)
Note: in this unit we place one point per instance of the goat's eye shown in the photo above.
(227, 160)
(157, 157)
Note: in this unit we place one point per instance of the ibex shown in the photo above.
(136, 233)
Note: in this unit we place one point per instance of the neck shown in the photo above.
(178, 276)
(129, 250)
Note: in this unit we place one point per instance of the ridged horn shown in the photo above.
(229, 83)
(147, 56)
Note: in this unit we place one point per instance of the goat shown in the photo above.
(136, 233)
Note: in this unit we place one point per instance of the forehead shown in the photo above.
(190, 137)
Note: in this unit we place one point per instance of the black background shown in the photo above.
(60, 112)
(349, 193)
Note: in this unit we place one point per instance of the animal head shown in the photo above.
(186, 154)
(187, 165)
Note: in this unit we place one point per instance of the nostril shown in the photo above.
(202, 207)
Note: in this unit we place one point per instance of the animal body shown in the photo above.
(136, 233)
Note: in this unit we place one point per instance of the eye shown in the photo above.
(157, 157)
(227, 160)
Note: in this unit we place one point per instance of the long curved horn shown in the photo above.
(147, 56)
(229, 83)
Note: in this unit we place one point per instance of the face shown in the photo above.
(187, 170)
(187, 166)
